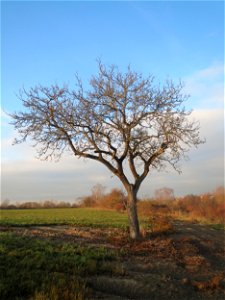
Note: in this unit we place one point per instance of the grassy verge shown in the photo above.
(218, 226)
(36, 269)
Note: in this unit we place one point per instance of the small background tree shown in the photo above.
(164, 194)
(98, 191)
(123, 121)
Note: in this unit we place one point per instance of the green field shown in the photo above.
(93, 257)
(37, 269)
(68, 216)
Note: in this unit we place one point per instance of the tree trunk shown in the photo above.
(132, 215)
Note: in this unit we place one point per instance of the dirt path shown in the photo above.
(187, 264)
(201, 232)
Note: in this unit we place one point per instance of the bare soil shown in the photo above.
(186, 264)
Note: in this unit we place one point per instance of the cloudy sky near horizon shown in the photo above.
(48, 42)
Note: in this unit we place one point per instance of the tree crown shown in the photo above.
(123, 117)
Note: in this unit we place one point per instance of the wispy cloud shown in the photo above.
(4, 115)
(4, 120)
(212, 72)
(206, 86)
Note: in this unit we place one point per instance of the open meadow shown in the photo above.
(64, 216)
(81, 253)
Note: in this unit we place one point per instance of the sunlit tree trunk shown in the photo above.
(132, 214)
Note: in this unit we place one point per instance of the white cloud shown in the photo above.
(206, 86)
(212, 72)
(205, 169)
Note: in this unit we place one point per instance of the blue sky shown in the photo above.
(48, 42)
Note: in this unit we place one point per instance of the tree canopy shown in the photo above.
(123, 119)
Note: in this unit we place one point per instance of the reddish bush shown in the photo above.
(114, 200)
(210, 206)
(87, 201)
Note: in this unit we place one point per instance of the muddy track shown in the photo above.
(200, 232)
(187, 264)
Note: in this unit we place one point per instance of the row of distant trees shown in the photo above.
(210, 206)
(115, 199)
(35, 205)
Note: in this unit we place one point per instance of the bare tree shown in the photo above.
(164, 194)
(125, 121)
(98, 191)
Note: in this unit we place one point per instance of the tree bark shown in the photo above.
(133, 215)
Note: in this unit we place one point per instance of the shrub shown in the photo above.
(115, 199)
(208, 207)
(87, 201)
(160, 224)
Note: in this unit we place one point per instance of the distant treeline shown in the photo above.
(35, 205)
(208, 206)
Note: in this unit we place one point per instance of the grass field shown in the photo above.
(33, 268)
(68, 216)
(40, 269)
(86, 254)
